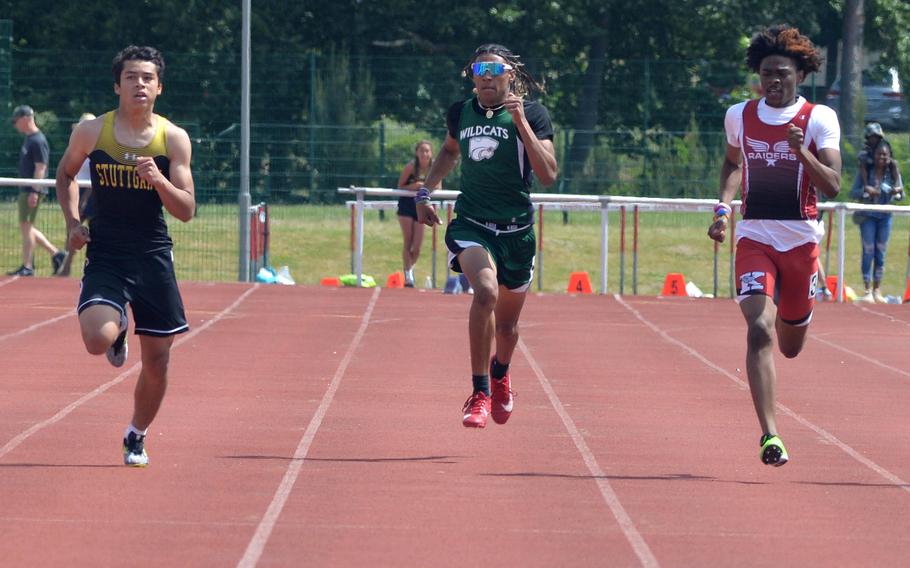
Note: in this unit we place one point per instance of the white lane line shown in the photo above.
(858, 355)
(827, 436)
(260, 538)
(15, 442)
(882, 315)
(33, 327)
(641, 548)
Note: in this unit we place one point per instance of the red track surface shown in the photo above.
(321, 427)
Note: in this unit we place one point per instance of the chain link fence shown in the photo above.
(326, 120)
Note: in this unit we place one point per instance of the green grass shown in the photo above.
(314, 241)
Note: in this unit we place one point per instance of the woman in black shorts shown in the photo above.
(412, 177)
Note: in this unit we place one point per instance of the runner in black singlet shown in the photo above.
(140, 163)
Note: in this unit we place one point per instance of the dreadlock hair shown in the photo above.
(786, 41)
(523, 83)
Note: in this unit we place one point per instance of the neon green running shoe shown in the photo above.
(773, 451)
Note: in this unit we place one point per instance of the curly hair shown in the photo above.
(786, 41)
(523, 84)
(143, 53)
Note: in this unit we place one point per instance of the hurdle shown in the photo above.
(607, 203)
(259, 238)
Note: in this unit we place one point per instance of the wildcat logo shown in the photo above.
(482, 148)
(762, 150)
(751, 283)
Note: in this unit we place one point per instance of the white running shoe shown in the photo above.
(118, 351)
(134, 451)
(866, 298)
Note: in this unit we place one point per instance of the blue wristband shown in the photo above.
(423, 195)
(722, 210)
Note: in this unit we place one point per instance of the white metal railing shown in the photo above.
(16, 183)
(604, 203)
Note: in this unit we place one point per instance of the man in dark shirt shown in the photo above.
(33, 160)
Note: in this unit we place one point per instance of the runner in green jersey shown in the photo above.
(503, 141)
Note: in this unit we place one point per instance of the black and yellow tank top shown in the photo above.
(129, 218)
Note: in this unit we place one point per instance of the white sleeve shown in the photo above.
(733, 124)
(823, 128)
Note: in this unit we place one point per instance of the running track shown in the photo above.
(321, 427)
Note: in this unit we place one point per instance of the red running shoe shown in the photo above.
(501, 398)
(476, 409)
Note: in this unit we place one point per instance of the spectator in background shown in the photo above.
(872, 135)
(881, 185)
(33, 160)
(85, 201)
(412, 177)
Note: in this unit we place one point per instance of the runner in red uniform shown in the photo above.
(781, 150)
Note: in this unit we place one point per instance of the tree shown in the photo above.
(851, 65)
(589, 99)
(887, 22)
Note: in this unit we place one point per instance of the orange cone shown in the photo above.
(674, 285)
(579, 283)
(907, 292)
(330, 281)
(831, 282)
(395, 280)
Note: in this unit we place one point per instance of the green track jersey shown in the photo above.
(496, 174)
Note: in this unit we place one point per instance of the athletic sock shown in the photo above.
(498, 370)
(134, 430)
(481, 383)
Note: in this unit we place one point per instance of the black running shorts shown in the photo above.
(513, 253)
(407, 207)
(147, 283)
